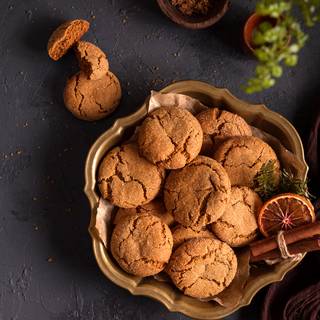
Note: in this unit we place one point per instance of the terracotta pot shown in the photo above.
(251, 24)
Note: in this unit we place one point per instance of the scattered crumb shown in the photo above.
(50, 260)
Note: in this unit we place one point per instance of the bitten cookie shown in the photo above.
(243, 157)
(182, 234)
(238, 225)
(203, 267)
(128, 180)
(92, 60)
(141, 244)
(92, 99)
(170, 137)
(198, 194)
(220, 124)
(65, 36)
(155, 207)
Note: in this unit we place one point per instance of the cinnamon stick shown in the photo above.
(291, 236)
(302, 246)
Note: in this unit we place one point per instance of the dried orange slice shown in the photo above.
(283, 212)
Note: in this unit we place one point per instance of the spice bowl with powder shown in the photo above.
(194, 14)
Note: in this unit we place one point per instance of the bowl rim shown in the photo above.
(135, 286)
(169, 10)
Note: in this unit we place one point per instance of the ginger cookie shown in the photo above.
(128, 180)
(65, 36)
(92, 60)
(238, 225)
(198, 194)
(202, 267)
(92, 99)
(141, 244)
(243, 157)
(155, 207)
(170, 137)
(221, 125)
(181, 234)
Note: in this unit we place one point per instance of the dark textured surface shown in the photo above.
(47, 270)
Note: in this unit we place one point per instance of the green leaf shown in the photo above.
(291, 60)
(276, 71)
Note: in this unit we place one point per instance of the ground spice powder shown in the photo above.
(190, 7)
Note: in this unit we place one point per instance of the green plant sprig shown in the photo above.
(278, 44)
(266, 183)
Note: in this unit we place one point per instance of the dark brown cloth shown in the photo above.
(297, 296)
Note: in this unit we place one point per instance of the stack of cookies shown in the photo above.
(185, 197)
(94, 92)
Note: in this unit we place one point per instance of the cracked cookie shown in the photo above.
(220, 125)
(128, 180)
(181, 234)
(92, 60)
(155, 207)
(141, 244)
(65, 36)
(197, 194)
(238, 225)
(170, 137)
(243, 157)
(202, 267)
(92, 99)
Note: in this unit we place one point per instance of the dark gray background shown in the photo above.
(47, 269)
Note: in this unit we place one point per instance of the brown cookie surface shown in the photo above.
(92, 99)
(203, 267)
(128, 180)
(141, 244)
(65, 36)
(182, 234)
(92, 60)
(238, 225)
(197, 194)
(220, 125)
(243, 157)
(170, 137)
(155, 207)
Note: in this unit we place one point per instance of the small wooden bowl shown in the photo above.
(196, 21)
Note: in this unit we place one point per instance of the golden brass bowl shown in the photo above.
(263, 118)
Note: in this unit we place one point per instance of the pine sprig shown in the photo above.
(289, 183)
(265, 182)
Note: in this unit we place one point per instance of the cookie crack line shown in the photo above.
(214, 171)
(231, 148)
(123, 178)
(237, 236)
(203, 205)
(131, 230)
(76, 92)
(244, 203)
(245, 164)
(176, 149)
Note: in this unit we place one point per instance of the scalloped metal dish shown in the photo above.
(174, 300)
